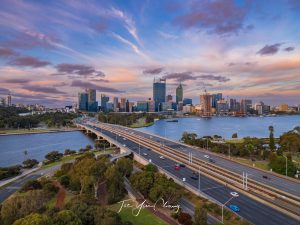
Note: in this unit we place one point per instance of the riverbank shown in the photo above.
(35, 131)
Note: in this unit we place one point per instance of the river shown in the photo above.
(224, 126)
(12, 147)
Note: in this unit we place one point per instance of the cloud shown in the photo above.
(214, 77)
(220, 17)
(167, 35)
(242, 64)
(28, 61)
(7, 52)
(17, 81)
(153, 71)
(78, 69)
(4, 91)
(180, 77)
(269, 49)
(83, 84)
(99, 27)
(42, 89)
(289, 49)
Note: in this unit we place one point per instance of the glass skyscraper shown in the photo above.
(179, 93)
(159, 93)
(83, 101)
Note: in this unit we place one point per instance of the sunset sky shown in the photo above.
(51, 50)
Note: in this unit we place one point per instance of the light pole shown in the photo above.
(223, 208)
(199, 179)
(229, 150)
(285, 165)
(139, 145)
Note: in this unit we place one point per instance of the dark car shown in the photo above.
(194, 177)
(211, 160)
(181, 165)
(266, 177)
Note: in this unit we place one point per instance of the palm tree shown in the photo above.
(271, 138)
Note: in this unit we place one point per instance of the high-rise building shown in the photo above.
(131, 106)
(104, 100)
(123, 105)
(83, 101)
(179, 94)
(159, 93)
(205, 102)
(169, 98)
(151, 105)
(142, 106)
(92, 103)
(187, 101)
(222, 106)
(283, 107)
(215, 98)
(259, 107)
(8, 100)
(116, 104)
(246, 105)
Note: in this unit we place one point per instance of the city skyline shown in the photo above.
(51, 51)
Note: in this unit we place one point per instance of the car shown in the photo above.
(161, 157)
(145, 153)
(194, 177)
(177, 164)
(182, 165)
(234, 194)
(234, 208)
(211, 160)
(177, 167)
(124, 139)
(206, 156)
(124, 145)
(266, 177)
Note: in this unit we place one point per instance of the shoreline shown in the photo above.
(40, 132)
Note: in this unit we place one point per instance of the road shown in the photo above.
(16, 185)
(251, 210)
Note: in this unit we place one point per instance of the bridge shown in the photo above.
(276, 201)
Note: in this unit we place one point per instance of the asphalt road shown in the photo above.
(255, 212)
(289, 186)
(16, 185)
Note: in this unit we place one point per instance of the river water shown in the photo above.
(224, 126)
(12, 147)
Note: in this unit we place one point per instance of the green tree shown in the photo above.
(142, 181)
(271, 138)
(115, 184)
(125, 166)
(54, 156)
(290, 142)
(200, 216)
(104, 216)
(30, 163)
(66, 217)
(279, 165)
(34, 219)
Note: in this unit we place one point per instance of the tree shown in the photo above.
(125, 166)
(25, 154)
(142, 181)
(200, 216)
(34, 219)
(234, 135)
(66, 217)
(30, 163)
(115, 184)
(151, 168)
(106, 217)
(54, 156)
(290, 141)
(271, 138)
(279, 165)
(185, 219)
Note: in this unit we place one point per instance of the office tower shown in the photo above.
(116, 104)
(259, 106)
(179, 93)
(92, 103)
(283, 107)
(127, 106)
(169, 98)
(104, 100)
(187, 101)
(151, 105)
(83, 101)
(123, 105)
(9, 100)
(222, 106)
(215, 98)
(109, 106)
(179, 106)
(131, 106)
(159, 93)
(142, 106)
(166, 106)
(205, 102)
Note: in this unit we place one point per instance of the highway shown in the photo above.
(251, 210)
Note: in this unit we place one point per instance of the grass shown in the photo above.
(141, 122)
(26, 131)
(235, 141)
(144, 218)
(258, 164)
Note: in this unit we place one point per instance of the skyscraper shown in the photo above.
(215, 98)
(92, 103)
(169, 98)
(116, 104)
(159, 93)
(9, 100)
(205, 102)
(179, 93)
(123, 105)
(104, 100)
(83, 101)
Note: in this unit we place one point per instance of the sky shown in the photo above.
(51, 50)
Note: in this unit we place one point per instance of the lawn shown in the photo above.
(258, 164)
(144, 218)
(235, 141)
(141, 123)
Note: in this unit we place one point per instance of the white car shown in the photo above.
(145, 153)
(206, 156)
(161, 157)
(124, 145)
(234, 194)
(124, 139)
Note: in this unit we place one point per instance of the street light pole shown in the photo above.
(199, 179)
(223, 208)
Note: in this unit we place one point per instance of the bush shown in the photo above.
(53, 156)
(31, 185)
(69, 152)
(6, 172)
(65, 180)
(50, 188)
